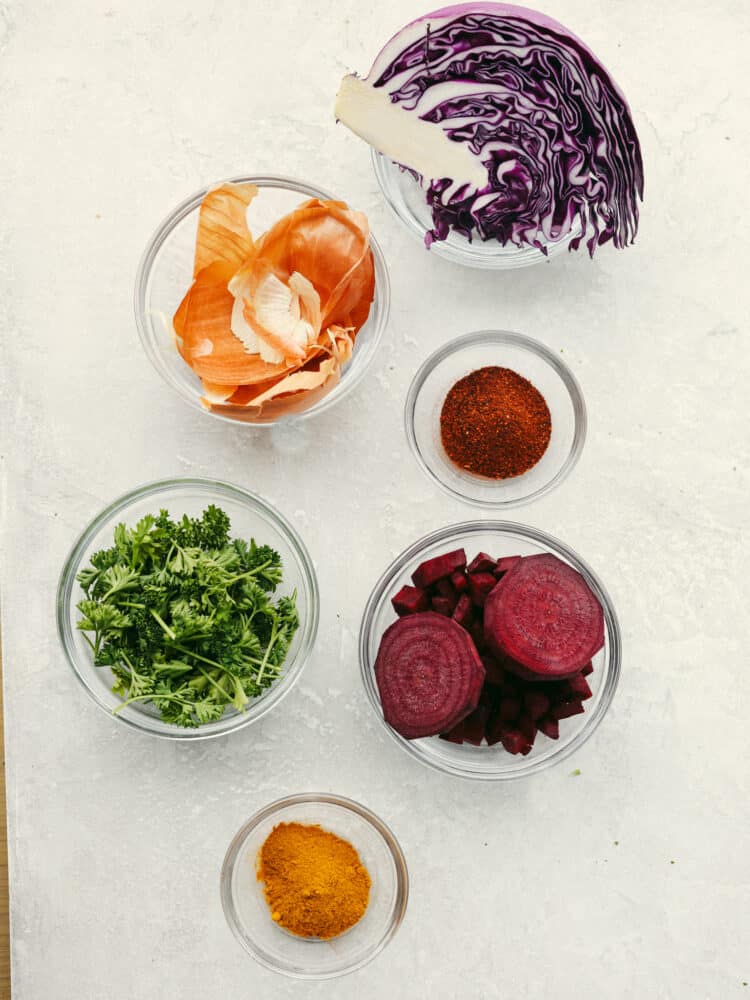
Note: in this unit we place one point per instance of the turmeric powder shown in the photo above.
(315, 883)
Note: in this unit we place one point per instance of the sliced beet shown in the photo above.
(508, 709)
(463, 613)
(409, 600)
(443, 605)
(550, 727)
(505, 565)
(494, 673)
(579, 686)
(480, 584)
(588, 669)
(566, 709)
(544, 615)
(435, 569)
(428, 673)
(481, 564)
(536, 704)
(459, 581)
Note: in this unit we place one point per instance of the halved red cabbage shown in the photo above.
(534, 107)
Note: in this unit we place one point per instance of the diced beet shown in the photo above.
(476, 723)
(435, 569)
(463, 613)
(495, 730)
(454, 735)
(550, 727)
(567, 708)
(508, 709)
(536, 703)
(527, 727)
(446, 589)
(480, 584)
(428, 673)
(459, 581)
(545, 616)
(443, 605)
(505, 565)
(409, 600)
(526, 748)
(588, 669)
(578, 685)
(514, 742)
(494, 673)
(509, 689)
(481, 564)
(476, 630)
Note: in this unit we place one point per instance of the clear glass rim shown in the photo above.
(232, 855)
(526, 766)
(175, 217)
(309, 626)
(479, 337)
(466, 256)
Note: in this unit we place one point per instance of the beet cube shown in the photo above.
(505, 564)
(432, 570)
(550, 727)
(536, 703)
(459, 581)
(409, 600)
(588, 669)
(476, 631)
(456, 734)
(579, 686)
(514, 742)
(527, 727)
(443, 606)
(463, 613)
(480, 584)
(494, 673)
(495, 731)
(476, 723)
(508, 688)
(567, 708)
(445, 589)
(508, 709)
(481, 564)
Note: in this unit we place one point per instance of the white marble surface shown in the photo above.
(629, 880)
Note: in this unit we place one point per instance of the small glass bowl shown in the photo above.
(251, 517)
(498, 538)
(247, 912)
(407, 201)
(543, 369)
(166, 272)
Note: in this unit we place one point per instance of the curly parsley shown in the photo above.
(184, 617)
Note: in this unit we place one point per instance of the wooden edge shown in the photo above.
(4, 905)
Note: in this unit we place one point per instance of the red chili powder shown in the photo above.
(495, 423)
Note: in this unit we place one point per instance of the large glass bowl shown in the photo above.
(545, 370)
(247, 912)
(498, 538)
(251, 517)
(166, 272)
(407, 201)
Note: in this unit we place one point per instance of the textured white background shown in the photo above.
(109, 115)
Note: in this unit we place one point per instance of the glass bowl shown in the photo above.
(251, 516)
(543, 369)
(407, 201)
(247, 912)
(165, 273)
(498, 538)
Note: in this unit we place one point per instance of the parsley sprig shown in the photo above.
(184, 616)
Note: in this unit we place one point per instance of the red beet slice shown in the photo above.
(588, 669)
(428, 673)
(544, 615)
(463, 613)
(432, 570)
(443, 606)
(550, 727)
(480, 584)
(508, 709)
(567, 708)
(505, 565)
(481, 564)
(409, 600)
(536, 704)
(578, 685)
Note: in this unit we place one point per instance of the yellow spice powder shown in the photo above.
(315, 882)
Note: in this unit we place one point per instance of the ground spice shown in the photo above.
(315, 883)
(495, 423)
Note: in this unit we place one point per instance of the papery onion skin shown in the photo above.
(533, 102)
